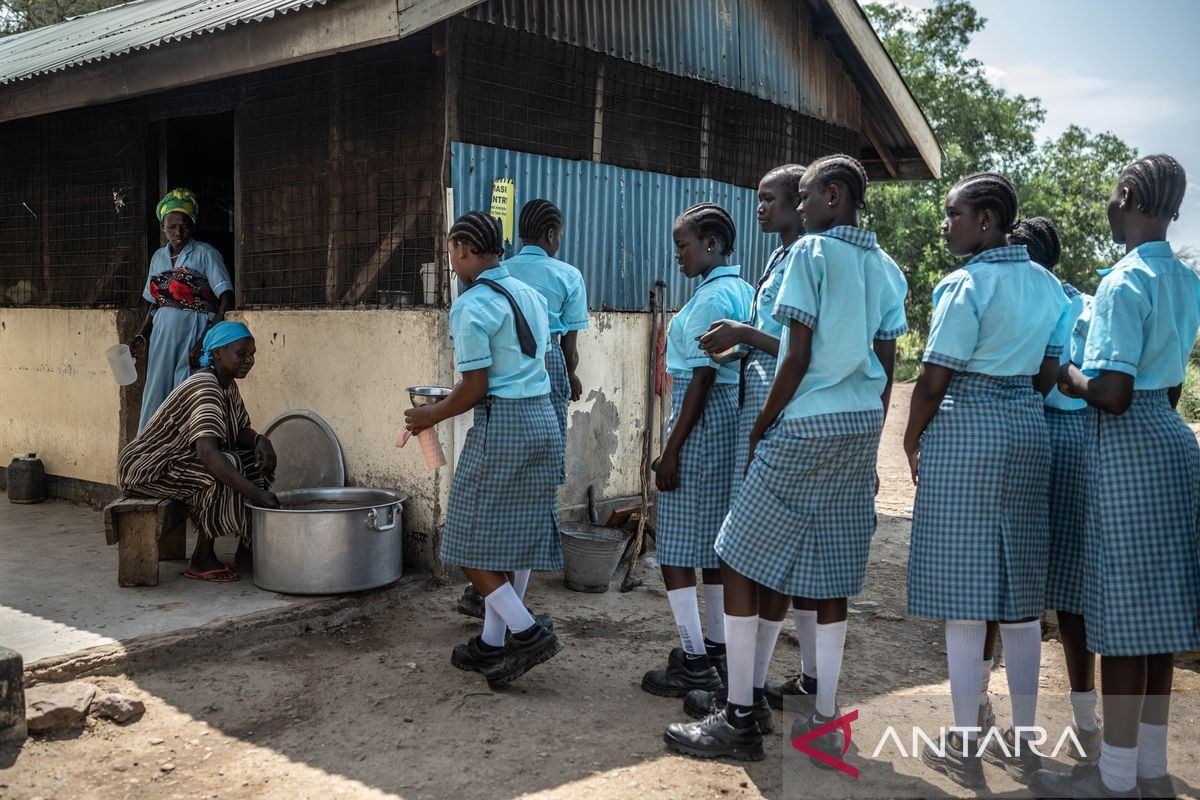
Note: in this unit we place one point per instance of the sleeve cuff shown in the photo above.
(221, 288)
(793, 313)
(700, 361)
(942, 360)
(474, 363)
(892, 333)
(578, 326)
(1106, 365)
(1054, 351)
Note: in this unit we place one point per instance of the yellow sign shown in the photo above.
(504, 197)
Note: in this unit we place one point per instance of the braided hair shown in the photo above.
(709, 219)
(479, 231)
(1040, 236)
(991, 190)
(538, 218)
(1159, 182)
(789, 175)
(845, 170)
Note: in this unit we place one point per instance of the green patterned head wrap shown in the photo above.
(182, 200)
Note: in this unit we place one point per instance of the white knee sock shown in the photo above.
(985, 680)
(493, 626)
(806, 635)
(1151, 751)
(831, 643)
(741, 642)
(1118, 767)
(687, 619)
(714, 612)
(1023, 664)
(521, 582)
(964, 649)
(768, 634)
(510, 608)
(1083, 710)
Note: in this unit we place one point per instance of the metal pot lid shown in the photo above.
(309, 453)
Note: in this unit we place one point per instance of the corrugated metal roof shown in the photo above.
(123, 29)
(618, 221)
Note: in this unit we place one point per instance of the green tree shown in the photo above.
(24, 15)
(983, 127)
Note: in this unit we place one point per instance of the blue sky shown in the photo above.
(1132, 68)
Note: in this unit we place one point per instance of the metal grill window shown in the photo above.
(72, 213)
(341, 165)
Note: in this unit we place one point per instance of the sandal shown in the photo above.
(222, 574)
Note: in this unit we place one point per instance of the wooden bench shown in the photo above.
(148, 530)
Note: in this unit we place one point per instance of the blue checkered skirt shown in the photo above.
(1141, 542)
(503, 510)
(560, 384)
(757, 377)
(1064, 576)
(803, 520)
(690, 517)
(980, 531)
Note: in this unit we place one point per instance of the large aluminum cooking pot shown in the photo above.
(328, 541)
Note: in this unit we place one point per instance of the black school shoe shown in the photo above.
(475, 656)
(800, 692)
(699, 703)
(830, 743)
(683, 674)
(1157, 788)
(1082, 782)
(965, 770)
(714, 737)
(471, 602)
(1089, 741)
(522, 654)
(544, 620)
(1020, 762)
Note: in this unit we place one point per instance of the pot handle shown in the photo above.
(373, 520)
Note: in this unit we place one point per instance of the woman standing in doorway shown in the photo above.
(189, 290)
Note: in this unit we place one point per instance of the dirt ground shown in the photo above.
(375, 710)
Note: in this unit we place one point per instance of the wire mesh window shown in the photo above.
(341, 165)
(520, 91)
(72, 211)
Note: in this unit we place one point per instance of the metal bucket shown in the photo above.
(323, 550)
(590, 555)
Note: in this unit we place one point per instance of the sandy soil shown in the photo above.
(375, 710)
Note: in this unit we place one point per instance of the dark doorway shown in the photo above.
(197, 153)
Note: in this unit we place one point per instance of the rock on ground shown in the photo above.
(53, 707)
(117, 707)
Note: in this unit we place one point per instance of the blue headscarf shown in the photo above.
(219, 335)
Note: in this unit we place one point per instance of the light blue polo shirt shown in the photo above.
(766, 295)
(1001, 314)
(843, 286)
(1144, 318)
(1074, 349)
(485, 336)
(722, 295)
(557, 281)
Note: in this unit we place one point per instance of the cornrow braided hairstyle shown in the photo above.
(991, 190)
(1159, 181)
(709, 219)
(845, 170)
(789, 175)
(538, 218)
(479, 231)
(1040, 236)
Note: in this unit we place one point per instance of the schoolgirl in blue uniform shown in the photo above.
(1066, 420)
(692, 474)
(802, 521)
(1142, 542)
(541, 229)
(502, 514)
(778, 199)
(980, 534)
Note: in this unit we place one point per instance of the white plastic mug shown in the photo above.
(120, 360)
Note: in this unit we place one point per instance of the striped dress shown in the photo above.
(162, 462)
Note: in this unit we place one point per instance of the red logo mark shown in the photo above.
(801, 743)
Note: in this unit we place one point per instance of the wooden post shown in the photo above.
(137, 550)
(335, 251)
(598, 117)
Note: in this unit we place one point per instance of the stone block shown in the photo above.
(12, 696)
(55, 707)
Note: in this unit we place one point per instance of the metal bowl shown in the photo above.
(427, 395)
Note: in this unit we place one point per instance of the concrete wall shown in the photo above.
(57, 396)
